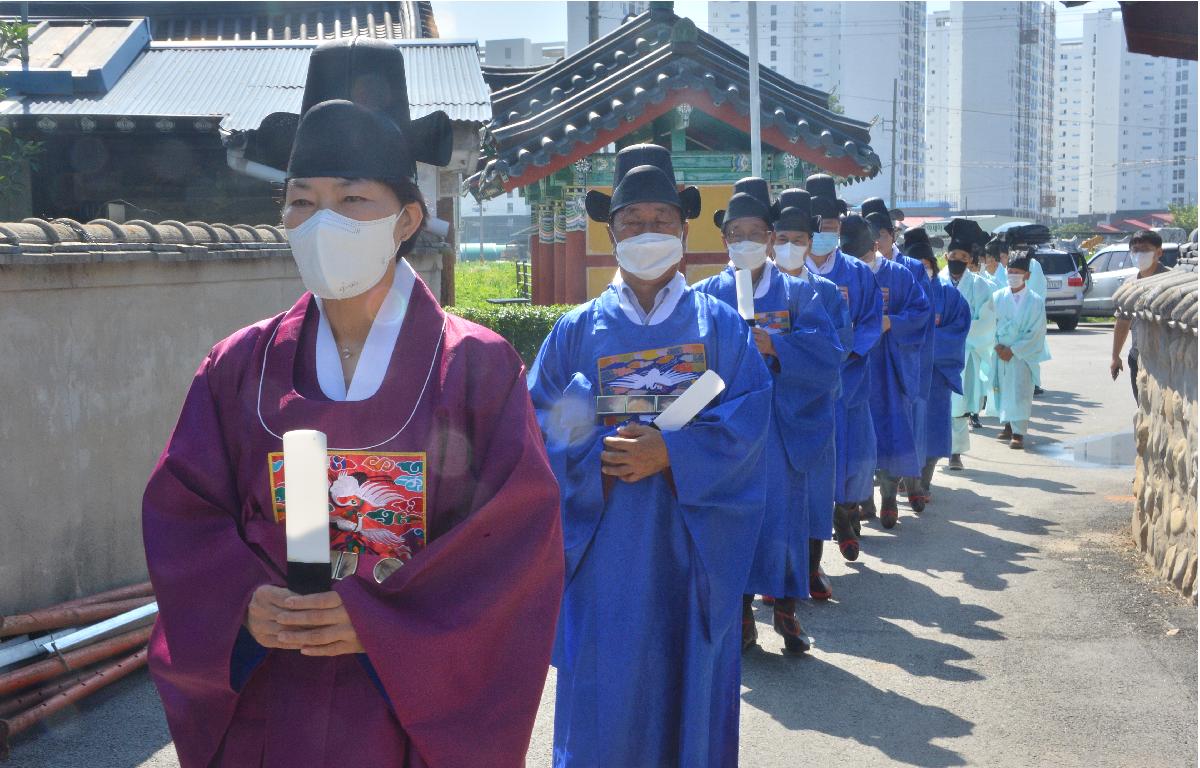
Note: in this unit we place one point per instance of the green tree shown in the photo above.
(1184, 216)
(16, 155)
(1073, 229)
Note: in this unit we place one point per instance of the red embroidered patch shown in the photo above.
(376, 501)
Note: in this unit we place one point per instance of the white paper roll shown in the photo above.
(306, 495)
(691, 402)
(744, 281)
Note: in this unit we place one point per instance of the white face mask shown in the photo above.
(649, 255)
(790, 256)
(876, 262)
(1145, 260)
(824, 243)
(748, 254)
(340, 257)
(1015, 280)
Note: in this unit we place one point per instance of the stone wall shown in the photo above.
(102, 327)
(1163, 308)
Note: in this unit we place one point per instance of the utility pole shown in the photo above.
(481, 229)
(755, 110)
(895, 93)
(593, 18)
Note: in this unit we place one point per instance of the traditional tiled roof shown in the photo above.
(236, 85)
(66, 241)
(638, 72)
(1167, 299)
(275, 20)
(499, 78)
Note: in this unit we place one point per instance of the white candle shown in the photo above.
(306, 496)
(744, 281)
(698, 395)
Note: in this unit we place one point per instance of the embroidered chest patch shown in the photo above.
(885, 298)
(779, 321)
(845, 289)
(661, 373)
(376, 501)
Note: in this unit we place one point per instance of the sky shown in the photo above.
(545, 21)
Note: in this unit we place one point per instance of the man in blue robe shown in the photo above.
(794, 227)
(660, 528)
(854, 436)
(796, 337)
(952, 322)
(875, 211)
(895, 365)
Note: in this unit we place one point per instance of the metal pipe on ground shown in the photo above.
(45, 670)
(55, 618)
(30, 698)
(111, 596)
(14, 725)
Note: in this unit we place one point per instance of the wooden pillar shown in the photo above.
(535, 269)
(445, 212)
(575, 224)
(546, 249)
(576, 258)
(560, 254)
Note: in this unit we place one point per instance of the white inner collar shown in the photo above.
(664, 303)
(377, 350)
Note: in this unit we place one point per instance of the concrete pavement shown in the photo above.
(1011, 624)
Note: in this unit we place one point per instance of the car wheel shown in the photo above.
(1067, 323)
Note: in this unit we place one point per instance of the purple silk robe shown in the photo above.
(457, 640)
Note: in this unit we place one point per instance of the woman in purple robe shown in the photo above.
(432, 646)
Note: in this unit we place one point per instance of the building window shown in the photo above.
(774, 24)
(774, 40)
(774, 8)
(774, 55)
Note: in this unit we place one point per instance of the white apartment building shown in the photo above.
(1125, 124)
(989, 107)
(855, 50)
(609, 16)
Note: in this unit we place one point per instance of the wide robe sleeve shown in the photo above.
(460, 637)
(982, 336)
(910, 314)
(950, 338)
(718, 464)
(204, 574)
(566, 411)
(808, 377)
(867, 317)
(1030, 346)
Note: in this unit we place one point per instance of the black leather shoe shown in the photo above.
(749, 630)
(974, 421)
(843, 532)
(819, 586)
(888, 513)
(955, 463)
(788, 626)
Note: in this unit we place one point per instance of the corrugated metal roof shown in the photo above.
(243, 83)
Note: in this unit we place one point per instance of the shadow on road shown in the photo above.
(811, 694)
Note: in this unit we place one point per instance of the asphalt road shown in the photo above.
(1011, 624)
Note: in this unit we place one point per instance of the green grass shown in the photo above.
(475, 282)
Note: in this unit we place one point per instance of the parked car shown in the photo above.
(1064, 286)
(1065, 272)
(1111, 268)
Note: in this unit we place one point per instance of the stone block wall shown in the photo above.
(1163, 309)
(102, 326)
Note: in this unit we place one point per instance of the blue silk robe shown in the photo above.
(855, 435)
(820, 480)
(648, 644)
(980, 340)
(806, 372)
(952, 324)
(916, 268)
(896, 370)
